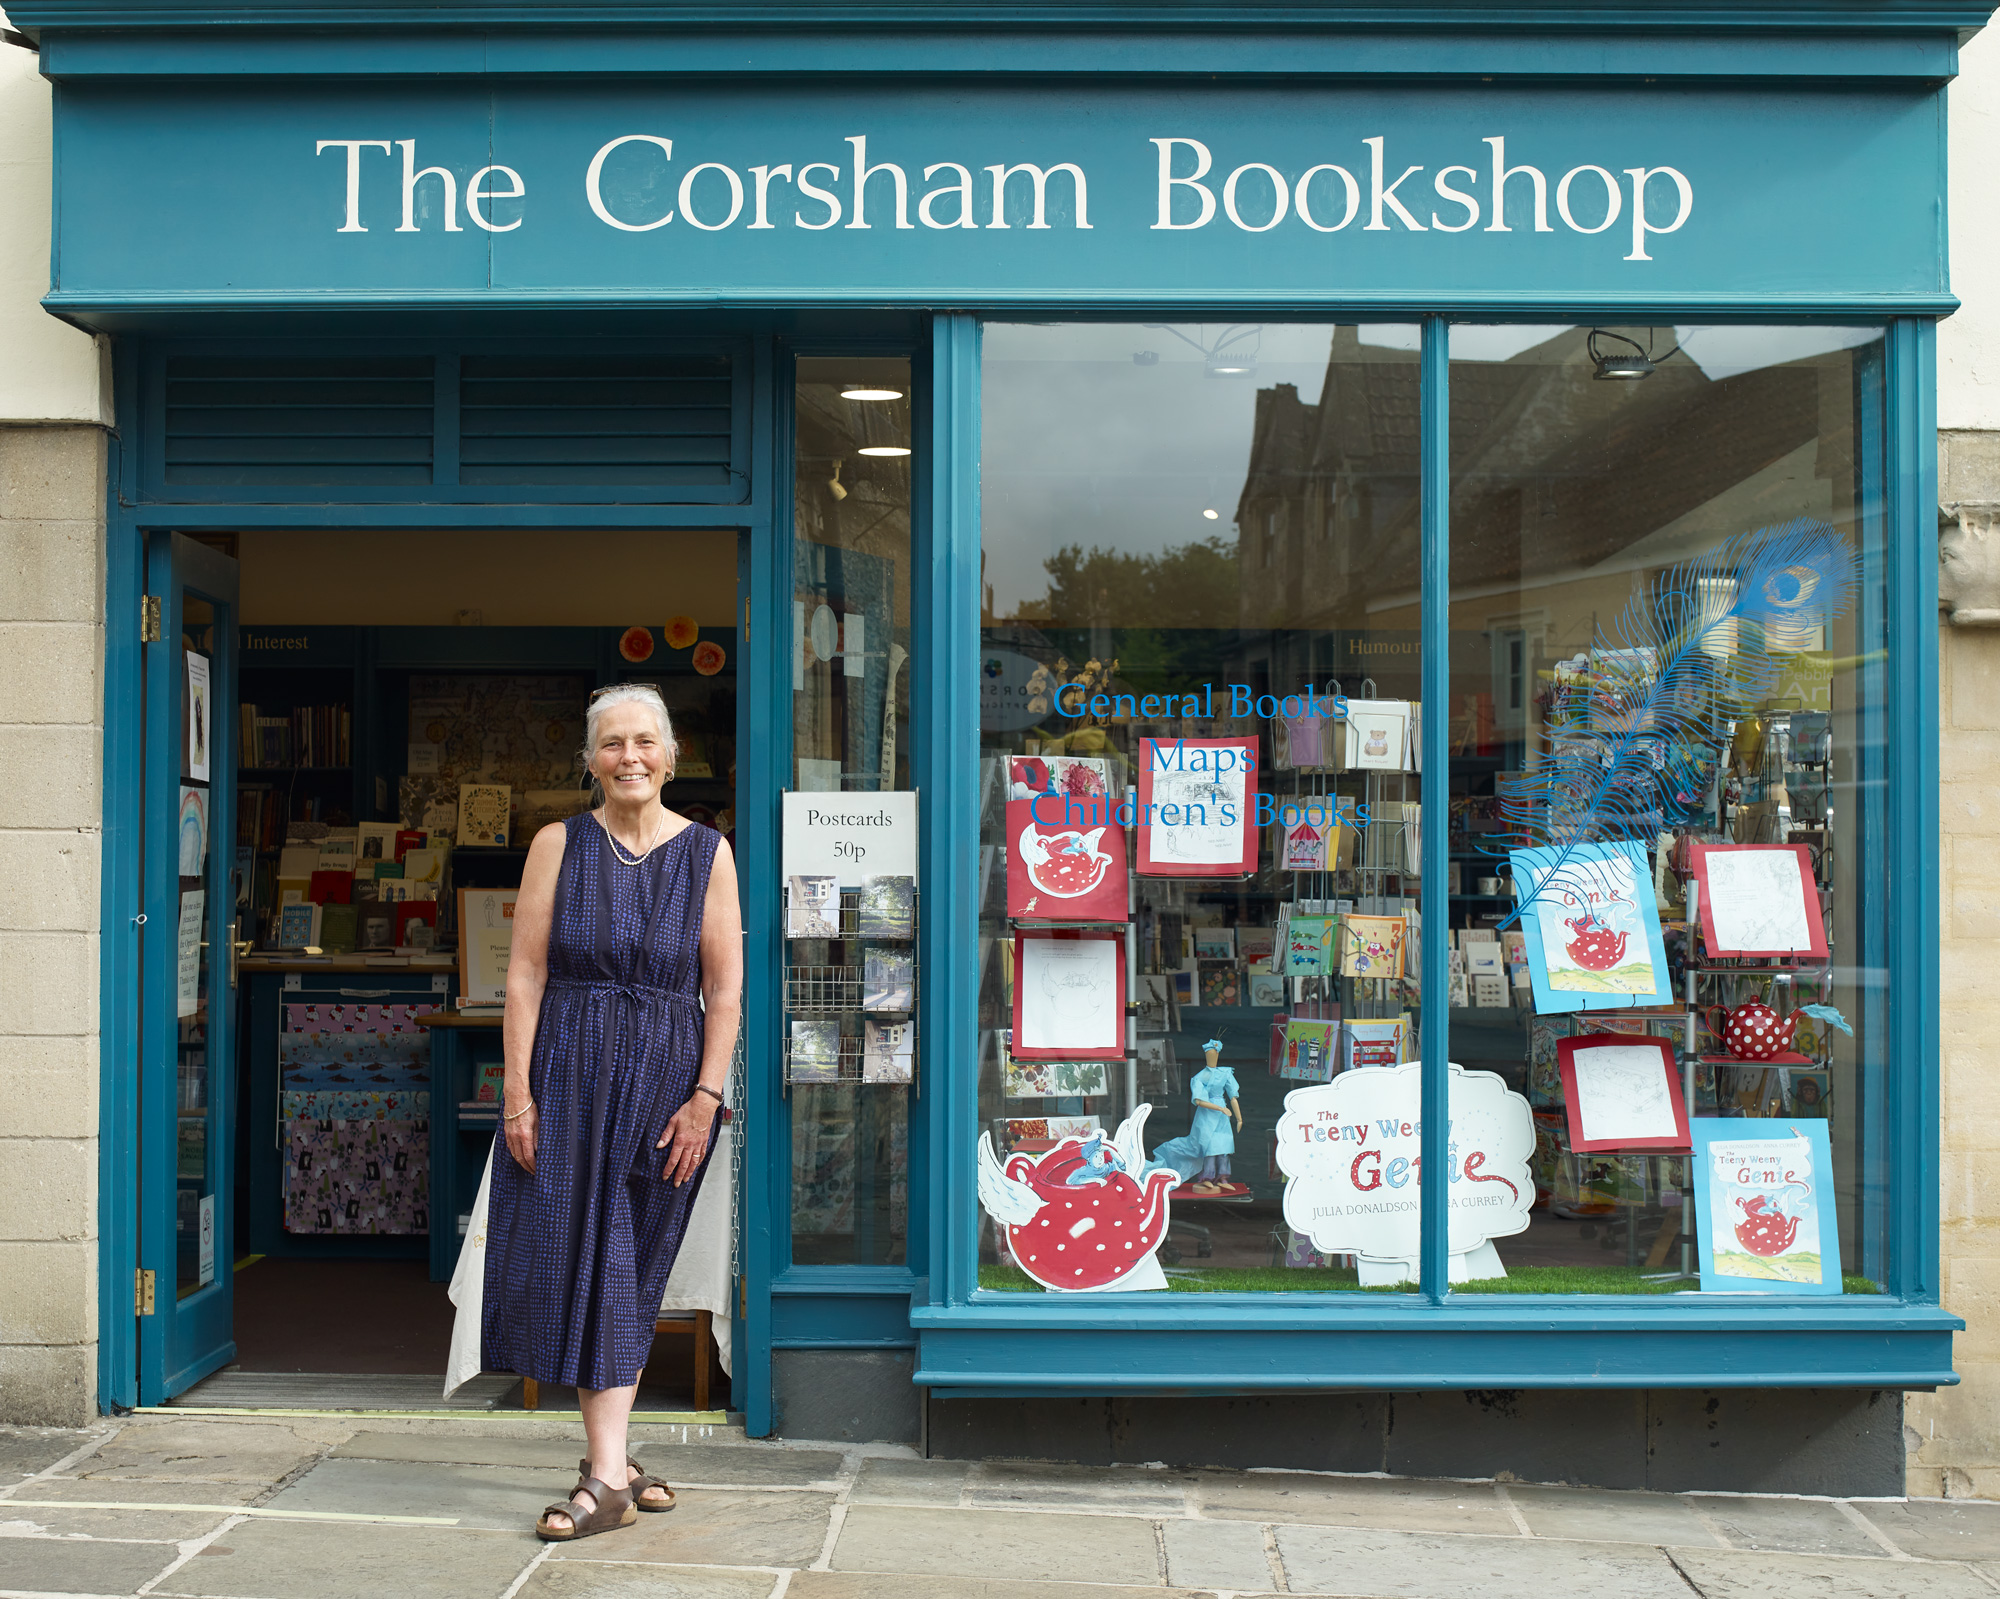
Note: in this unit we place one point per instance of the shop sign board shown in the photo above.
(1351, 1151)
(851, 837)
(993, 193)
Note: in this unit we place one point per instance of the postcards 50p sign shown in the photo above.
(1353, 1151)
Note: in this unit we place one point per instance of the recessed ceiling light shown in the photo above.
(1213, 516)
(883, 449)
(871, 394)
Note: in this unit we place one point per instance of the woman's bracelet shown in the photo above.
(703, 1088)
(517, 1115)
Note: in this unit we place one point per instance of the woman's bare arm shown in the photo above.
(527, 977)
(722, 1005)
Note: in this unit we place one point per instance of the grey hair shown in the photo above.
(626, 694)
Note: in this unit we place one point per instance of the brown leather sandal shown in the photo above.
(640, 1484)
(613, 1510)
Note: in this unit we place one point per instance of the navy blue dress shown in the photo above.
(577, 1255)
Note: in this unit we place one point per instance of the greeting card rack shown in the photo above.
(1382, 878)
(819, 990)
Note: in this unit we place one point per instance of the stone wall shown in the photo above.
(1954, 1434)
(51, 756)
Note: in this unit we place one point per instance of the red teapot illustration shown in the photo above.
(1763, 1231)
(1595, 948)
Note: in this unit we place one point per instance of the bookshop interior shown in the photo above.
(409, 712)
(1202, 732)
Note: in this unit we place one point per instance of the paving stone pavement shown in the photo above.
(333, 1507)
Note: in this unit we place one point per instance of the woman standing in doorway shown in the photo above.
(624, 992)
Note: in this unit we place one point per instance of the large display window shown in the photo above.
(1643, 875)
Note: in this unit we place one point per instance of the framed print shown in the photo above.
(1197, 799)
(1765, 1218)
(485, 939)
(1069, 996)
(1621, 1092)
(1758, 900)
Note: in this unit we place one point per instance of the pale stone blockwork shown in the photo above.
(1954, 1435)
(51, 743)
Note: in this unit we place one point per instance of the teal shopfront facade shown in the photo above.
(371, 197)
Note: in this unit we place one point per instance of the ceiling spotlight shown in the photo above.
(1221, 366)
(1213, 516)
(834, 486)
(871, 394)
(882, 449)
(1618, 366)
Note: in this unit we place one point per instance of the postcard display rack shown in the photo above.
(850, 998)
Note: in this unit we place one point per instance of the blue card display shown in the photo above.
(1593, 928)
(1765, 1218)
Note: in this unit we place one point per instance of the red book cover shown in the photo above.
(1065, 860)
(408, 839)
(331, 888)
(414, 910)
(1197, 807)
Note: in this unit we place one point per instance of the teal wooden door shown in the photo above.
(187, 1003)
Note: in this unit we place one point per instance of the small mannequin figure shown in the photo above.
(1201, 1155)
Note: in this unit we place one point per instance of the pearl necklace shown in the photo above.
(618, 850)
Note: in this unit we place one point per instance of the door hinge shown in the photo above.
(142, 1292)
(149, 619)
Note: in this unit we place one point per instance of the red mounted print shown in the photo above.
(1759, 900)
(1065, 860)
(1622, 1091)
(1197, 807)
(1069, 996)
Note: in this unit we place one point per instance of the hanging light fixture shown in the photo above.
(864, 392)
(1619, 366)
(833, 484)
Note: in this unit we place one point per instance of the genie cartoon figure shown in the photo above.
(1202, 1153)
(1099, 1162)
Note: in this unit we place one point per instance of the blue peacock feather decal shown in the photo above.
(1632, 741)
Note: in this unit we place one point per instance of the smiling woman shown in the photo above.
(624, 994)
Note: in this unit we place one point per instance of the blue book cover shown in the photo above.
(1593, 928)
(1765, 1218)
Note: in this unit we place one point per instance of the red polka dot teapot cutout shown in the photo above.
(1754, 1031)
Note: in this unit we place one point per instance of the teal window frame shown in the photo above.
(977, 1343)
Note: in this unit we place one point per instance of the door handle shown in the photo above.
(235, 950)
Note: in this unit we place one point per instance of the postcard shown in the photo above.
(815, 1052)
(887, 978)
(888, 1051)
(812, 907)
(888, 907)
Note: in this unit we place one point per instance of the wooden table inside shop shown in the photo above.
(451, 1032)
